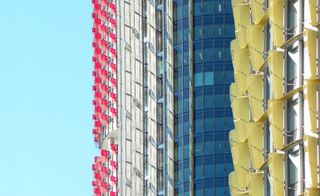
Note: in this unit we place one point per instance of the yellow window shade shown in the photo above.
(276, 122)
(313, 12)
(256, 95)
(240, 59)
(233, 183)
(255, 140)
(243, 22)
(311, 58)
(233, 139)
(256, 184)
(275, 62)
(256, 45)
(234, 92)
(241, 108)
(241, 163)
(310, 147)
(259, 15)
(276, 173)
(312, 192)
(242, 129)
(276, 21)
(310, 109)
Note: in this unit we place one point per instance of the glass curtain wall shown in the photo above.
(212, 32)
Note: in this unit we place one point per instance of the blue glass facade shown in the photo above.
(205, 117)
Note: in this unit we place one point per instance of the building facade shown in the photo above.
(275, 98)
(203, 30)
(161, 101)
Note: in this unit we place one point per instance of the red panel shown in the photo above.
(112, 6)
(113, 22)
(112, 193)
(113, 67)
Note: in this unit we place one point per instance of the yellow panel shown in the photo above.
(276, 122)
(310, 147)
(241, 163)
(242, 108)
(312, 192)
(240, 59)
(313, 12)
(311, 58)
(255, 140)
(242, 129)
(256, 45)
(258, 13)
(241, 15)
(310, 98)
(234, 92)
(275, 62)
(256, 184)
(276, 173)
(276, 21)
(256, 95)
(233, 183)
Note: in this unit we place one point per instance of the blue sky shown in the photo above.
(46, 145)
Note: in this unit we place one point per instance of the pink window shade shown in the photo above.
(94, 30)
(97, 191)
(114, 147)
(103, 104)
(112, 6)
(113, 51)
(94, 15)
(97, 21)
(97, 65)
(112, 193)
(97, 95)
(113, 96)
(97, 50)
(113, 22)
(97, 80)
(103, 28)
(114, 164)
(113, 66)
(94, 59)
(104, 170)
(113, 179)
(97, 124)
(113, 81)
(113, 111)
(97, 35)
(103, 3)
(94, 167)
(104, 153)
(94, 102)
(113, 37)
(97, 7)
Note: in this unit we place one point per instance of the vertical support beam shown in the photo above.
(191, 101)
(285, 115)
(300, 96)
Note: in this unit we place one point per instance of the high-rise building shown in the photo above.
(275, 98)
(203, 30)
(161, 101)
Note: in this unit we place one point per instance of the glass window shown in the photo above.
(198, 79)
(198, 167)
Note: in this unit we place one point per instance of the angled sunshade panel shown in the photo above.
(276, 110)
(255, 141)
(276, 22)
(256, 46)
(256, 96)
(310, 59)
(276, 66)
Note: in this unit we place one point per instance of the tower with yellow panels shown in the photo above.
(275, 98)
